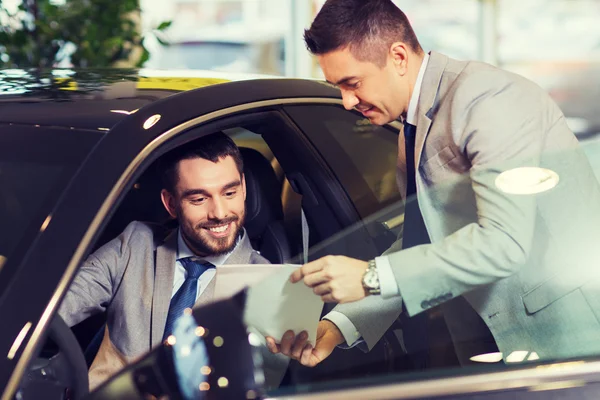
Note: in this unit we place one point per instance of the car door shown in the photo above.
(111, 169)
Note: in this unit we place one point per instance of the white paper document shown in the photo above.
(273, 304)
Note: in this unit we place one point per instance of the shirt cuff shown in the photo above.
(387, 280)
(349, 332)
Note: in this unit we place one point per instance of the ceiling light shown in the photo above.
(124, 111)
(517, 356)
(150, 122)
(527, 180)
(487, 358)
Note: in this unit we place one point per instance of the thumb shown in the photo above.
(324, 347)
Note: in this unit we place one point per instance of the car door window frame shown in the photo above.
(86, 225)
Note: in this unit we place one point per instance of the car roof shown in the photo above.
(78, 99)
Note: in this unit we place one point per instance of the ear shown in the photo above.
(168, 201)
(399, 55)
(244, 185)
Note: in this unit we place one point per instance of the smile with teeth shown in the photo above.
(219, 229)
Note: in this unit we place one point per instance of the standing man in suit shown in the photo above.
(146, 277)
(506, 199)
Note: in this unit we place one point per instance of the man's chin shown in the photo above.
(379, 119)
(219, 246)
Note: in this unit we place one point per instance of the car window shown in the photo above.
(35, 166)
(363, 156)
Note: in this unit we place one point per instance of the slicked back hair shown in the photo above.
(367, 27)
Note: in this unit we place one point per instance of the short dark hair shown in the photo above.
(367, 27)
(212, 147)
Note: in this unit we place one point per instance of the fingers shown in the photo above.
(299, 345)
(272, 345)
(309, 268)
(291, 345)
(322, 289)
(297, 275)
(286, 343)
(316, 278)
(306, 357)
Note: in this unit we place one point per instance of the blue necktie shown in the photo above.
(186, 295)
(415, 232)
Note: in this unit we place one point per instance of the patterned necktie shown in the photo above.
(414, 232)
(186, 295)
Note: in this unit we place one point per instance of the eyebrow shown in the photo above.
(194, 192)
(343, 81)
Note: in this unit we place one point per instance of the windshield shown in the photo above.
(36, 163)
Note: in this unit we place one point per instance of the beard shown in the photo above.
(203, 244)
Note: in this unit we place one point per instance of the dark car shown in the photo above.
(77, 164)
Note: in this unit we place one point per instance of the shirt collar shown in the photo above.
(411, 114)
(184, 251)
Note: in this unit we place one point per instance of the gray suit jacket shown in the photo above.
(131, 277)
(527, 264)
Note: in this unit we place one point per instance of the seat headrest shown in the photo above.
(263, 192)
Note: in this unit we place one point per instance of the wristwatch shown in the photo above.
(370, 279)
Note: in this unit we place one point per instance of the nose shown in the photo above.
(218, 210)
(349, 99)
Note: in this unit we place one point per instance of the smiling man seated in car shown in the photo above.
(148, 275)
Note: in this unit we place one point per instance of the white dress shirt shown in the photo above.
(180, 272)
(389, 287)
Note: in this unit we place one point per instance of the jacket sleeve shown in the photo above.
(98, 279)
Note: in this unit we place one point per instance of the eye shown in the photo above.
(198, 200)
(230, 193)
(353, 85)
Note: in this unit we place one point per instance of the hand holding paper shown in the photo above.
(275, 305)
(279, 310)
(298, 348)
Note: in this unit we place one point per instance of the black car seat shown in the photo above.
(264, 211)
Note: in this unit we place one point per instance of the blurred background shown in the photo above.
(556, 43)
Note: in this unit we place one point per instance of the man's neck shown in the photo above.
(417, 71)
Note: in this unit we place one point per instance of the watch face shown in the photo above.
(371, 279)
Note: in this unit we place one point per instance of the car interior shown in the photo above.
(273, 223)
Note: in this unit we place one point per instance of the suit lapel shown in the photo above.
(163, 285)
(429, 93)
